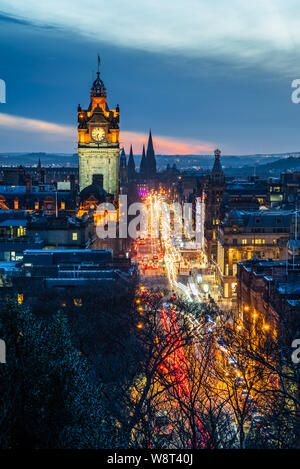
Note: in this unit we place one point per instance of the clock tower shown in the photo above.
(98, 140)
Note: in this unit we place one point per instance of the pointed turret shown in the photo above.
(143, 165)
(123, 163)
(151, 161)
(123, 172)
(131, 165)
(217, 168)
(217, 172)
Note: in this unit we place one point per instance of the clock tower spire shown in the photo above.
(98, 139)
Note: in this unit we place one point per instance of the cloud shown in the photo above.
(241, 32)
(51, 132)
(164, 145)
(34, 125)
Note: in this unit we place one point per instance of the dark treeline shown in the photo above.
(122, 369)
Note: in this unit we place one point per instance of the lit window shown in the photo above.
(20, 231)
(62, 205)
(77, 302)
(244, 241)
(20, 298)
(75, 236)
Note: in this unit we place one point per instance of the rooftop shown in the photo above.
(259, 218)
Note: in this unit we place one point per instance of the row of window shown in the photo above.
(246, 241)
(37, 205)
(278, 220)
(274, 230)
(258, 254)
(12, 231)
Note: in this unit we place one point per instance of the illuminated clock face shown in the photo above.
(98, 134)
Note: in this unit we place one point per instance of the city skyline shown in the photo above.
(149, 228)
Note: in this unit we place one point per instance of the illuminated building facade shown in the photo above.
(214, 189)
(243, 235)
(268, 294)
(98, 140)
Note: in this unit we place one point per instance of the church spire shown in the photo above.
(123, 163)
(151, 161)
(131, 165)
(143, 165)
(123, 170)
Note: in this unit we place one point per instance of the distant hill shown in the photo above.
(274, 168)
(263, 165)
(31, 159)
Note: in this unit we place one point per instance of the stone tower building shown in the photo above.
(214, 190)
(98, 140)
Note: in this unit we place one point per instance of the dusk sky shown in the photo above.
(200, 74)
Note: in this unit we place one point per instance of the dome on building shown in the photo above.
(95, 191)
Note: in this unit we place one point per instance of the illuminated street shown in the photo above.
(159, 261)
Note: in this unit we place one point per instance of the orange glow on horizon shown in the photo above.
(164, 145)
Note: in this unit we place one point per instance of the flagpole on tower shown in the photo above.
(98, 64)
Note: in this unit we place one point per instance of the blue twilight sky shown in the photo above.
(199, 73)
